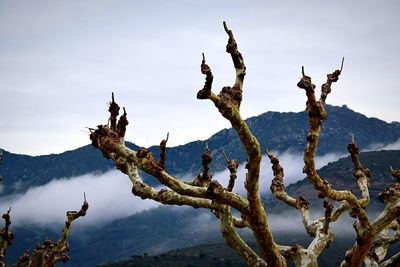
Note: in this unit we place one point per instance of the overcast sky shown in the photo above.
(60, 61)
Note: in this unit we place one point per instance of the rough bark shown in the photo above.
(6, 236)
(203, 192)
(228, 103)
(46, 254)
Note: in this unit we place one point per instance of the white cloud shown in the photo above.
(109, 196)
(280, 223)
(291, 162)
(392, 146)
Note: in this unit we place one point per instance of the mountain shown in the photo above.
(175, 228)
(211, 255)
(286, 131)
(21, 172)
(161, 229)
(274, 130)
(340, 175)
(219, 255)
(152, 231)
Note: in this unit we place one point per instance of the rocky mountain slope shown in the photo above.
(179, 228)
(161, 229)
(274, 130)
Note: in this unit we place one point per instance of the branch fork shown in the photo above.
(204, 192)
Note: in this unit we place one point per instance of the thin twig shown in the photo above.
(225, 156)
(341, 66)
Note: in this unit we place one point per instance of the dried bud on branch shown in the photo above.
(233, 165)
(206, 70)
(215, 190)
(305, 82)
(54, 252)
(163, 153)
(206, 193)
(390, 193)
(23, 260)
(49, 253)
(232, 48)
(302, 203)
(233, 94)
(326, 87)
(204, 178)
(122, 123)
(395, 173)
(361, 174)
(114, 111)
(6, 236)
(328, 213)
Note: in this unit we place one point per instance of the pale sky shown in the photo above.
(60, 61)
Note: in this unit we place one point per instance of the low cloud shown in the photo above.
(109, 196)
(292, 163)
(280, 223)
(392, 146)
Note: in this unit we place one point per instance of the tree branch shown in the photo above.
(6, 236)
(112, 146)
(233, 240)
(366, 234)
(207, 193)
(234, 94)
(361, 174)
(206, 70)
(59, 251)
(392, 262)
(114, 111)
(204, 178)
(49, 253)
(233, 165)
(228, 103)
(380, 245)
(319, 229)
(163, 153)
(317, 115)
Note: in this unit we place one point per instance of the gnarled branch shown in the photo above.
(207, 193)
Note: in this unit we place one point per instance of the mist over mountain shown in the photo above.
(164, 228)
(33, 185)
(276, 131)
(340, 175)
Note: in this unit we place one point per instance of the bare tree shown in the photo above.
(373, 236)
(46, 254)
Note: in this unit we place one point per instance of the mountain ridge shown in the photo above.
(156, 230)
(337, 172)
(275, 130)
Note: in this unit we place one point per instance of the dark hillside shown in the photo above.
(277, 131)
(340, 175)
(165, 228)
